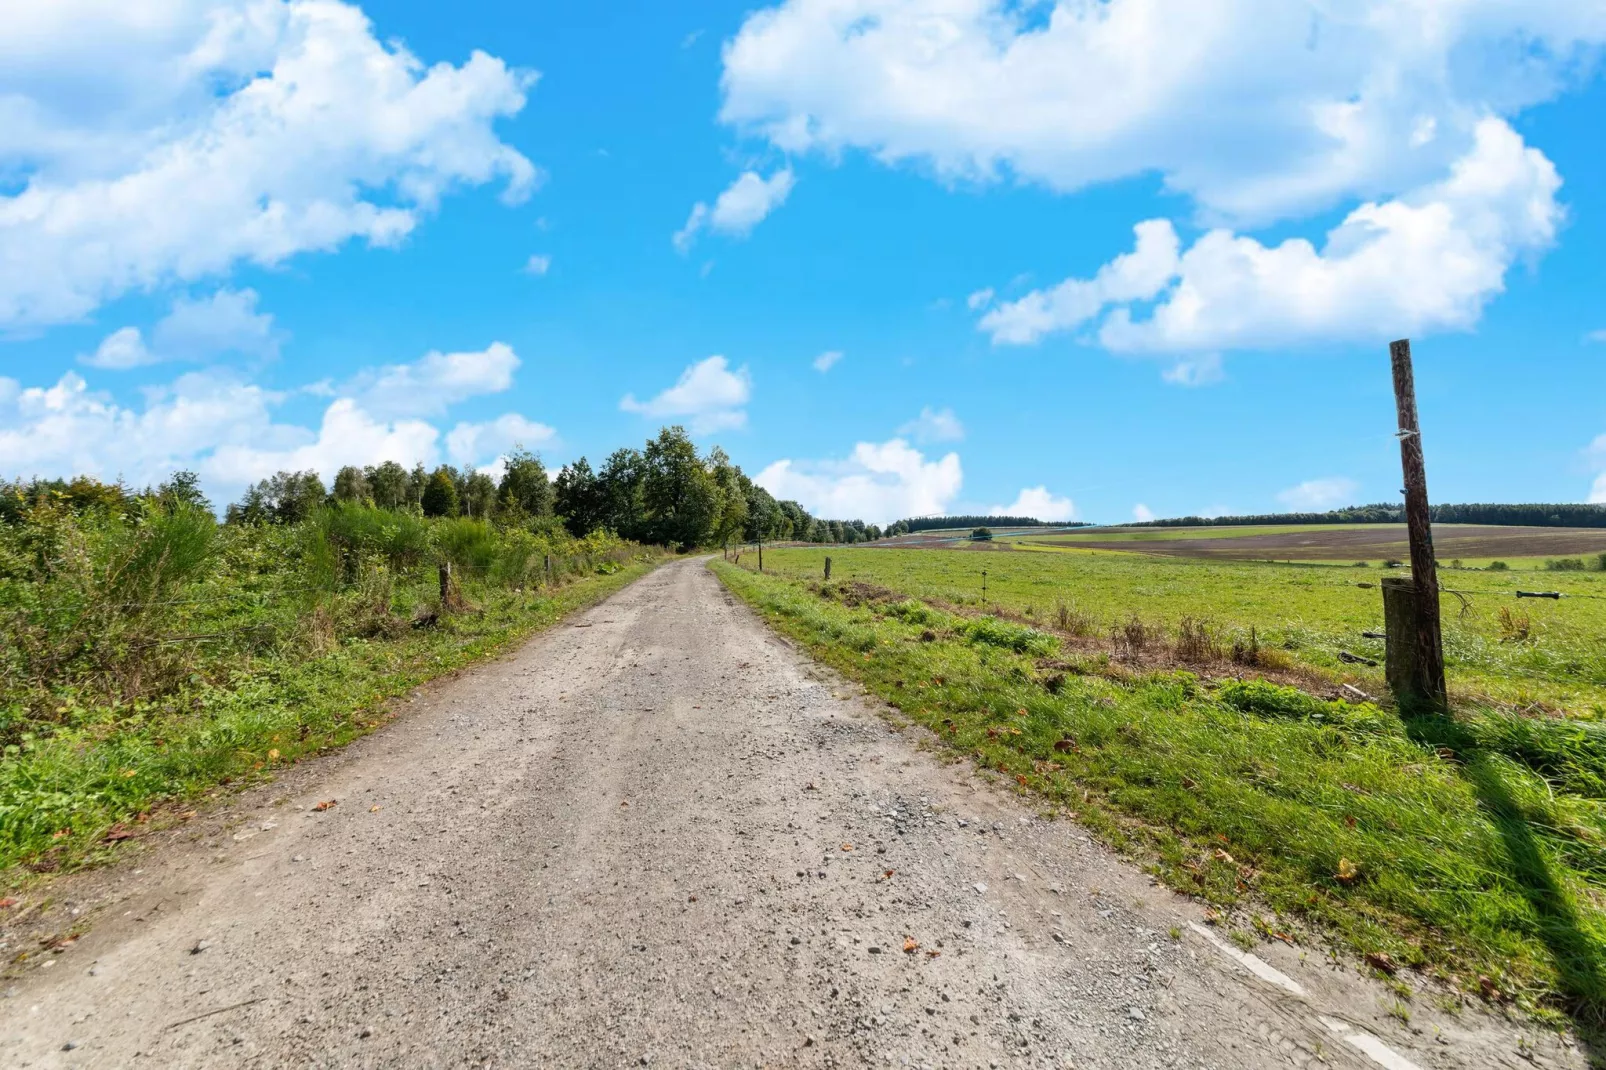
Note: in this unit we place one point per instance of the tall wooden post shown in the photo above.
(446, 584)
(828, 569)
(1424, 683)
(761, 553)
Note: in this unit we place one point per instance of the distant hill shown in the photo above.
(1565, 515)
(935, 523)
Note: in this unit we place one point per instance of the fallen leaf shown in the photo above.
(130, 772)
(1284, 937)
(932, 954)
(273, 755)
(1066, 745)
(1349, 821)
(1188, 784)
(375, 809)
(887, 875)
(1347, 871)
(1021, 712)
(1021, 780)
(910, 945)
(60, 833)
(847, 846)
(1223, 856)
(188, 815)
(691, 899)
(7, 902)
(1487, 989)
(1379, 960)
(118, 832)
(326, 804)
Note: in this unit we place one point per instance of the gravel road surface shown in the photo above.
(659, 836)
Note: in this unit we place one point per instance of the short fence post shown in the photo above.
(828, 569)
(446, 583)
(548, 566)
(761, 555)
(1403, 654)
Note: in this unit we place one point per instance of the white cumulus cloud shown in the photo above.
(538, 264)
(229, 431)
(1429, 260)
(934, 425)
(877, 483)
(708, 394)
(1142, 513)
(1038, 503)
(827, 360)
(1256, 109)
(468, 443)
(160, 143)
(1317, 495)
(435, 382)
(225, 323)
(741, 207)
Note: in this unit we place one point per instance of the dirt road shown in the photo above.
(658, 836)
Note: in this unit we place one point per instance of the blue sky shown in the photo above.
(241, 235)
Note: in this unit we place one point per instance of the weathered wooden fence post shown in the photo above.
(761, 553)
(548, 568)
(828, 569)
(446, 584)
(1416, 679)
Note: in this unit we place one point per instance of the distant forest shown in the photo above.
(937, 523)
(1568, 515)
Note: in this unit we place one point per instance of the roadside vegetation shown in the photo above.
(150, 654)
(1195, 715)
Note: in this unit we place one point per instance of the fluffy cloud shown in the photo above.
(470, 442)
(980, 299)
(1037, 502)
(934, 426)
(1316, 495)
(227, 322)
(1256, 109)
(435, 382)
(741, 207)
(708, 394)
(1429, 260)
(879, 483)
(229, 431)
(827, 360)
(538, 264)
(1142, 513)
(167, 143)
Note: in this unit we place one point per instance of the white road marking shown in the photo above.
(1368, 1045)
(1257, 966)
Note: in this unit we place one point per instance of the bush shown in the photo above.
(1499, 566)
(1565, 564)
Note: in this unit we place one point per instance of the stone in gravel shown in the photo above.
(69, 1046)
(200, 946)
(1135, 1013)
(367, 1031)
(874, 950)
(980, 887)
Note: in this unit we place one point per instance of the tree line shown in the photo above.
(939, 523)
(1563, 515)
(665, 493)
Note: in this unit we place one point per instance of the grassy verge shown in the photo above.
(1473, 850)
(67, 799)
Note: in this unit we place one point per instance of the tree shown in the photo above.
(678, 490)
(351, 485)
(417, 481)
(730, 518)
(478, 495)
(621, 493)
(388, 484)
(440, 493)
(182, 488)
(578, 496)
(282, 498)
(982, 534)
(525, 488)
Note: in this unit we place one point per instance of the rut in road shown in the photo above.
(659, 836)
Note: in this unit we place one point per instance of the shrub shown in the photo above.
(1499, 566)
(1565, 564)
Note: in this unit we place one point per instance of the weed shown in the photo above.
(1072, 621)
(1514, 625)
(1196, 641)
(1398, 1009)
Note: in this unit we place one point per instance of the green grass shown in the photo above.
(1224, 531)
(1463, 848)
(1309, 613)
